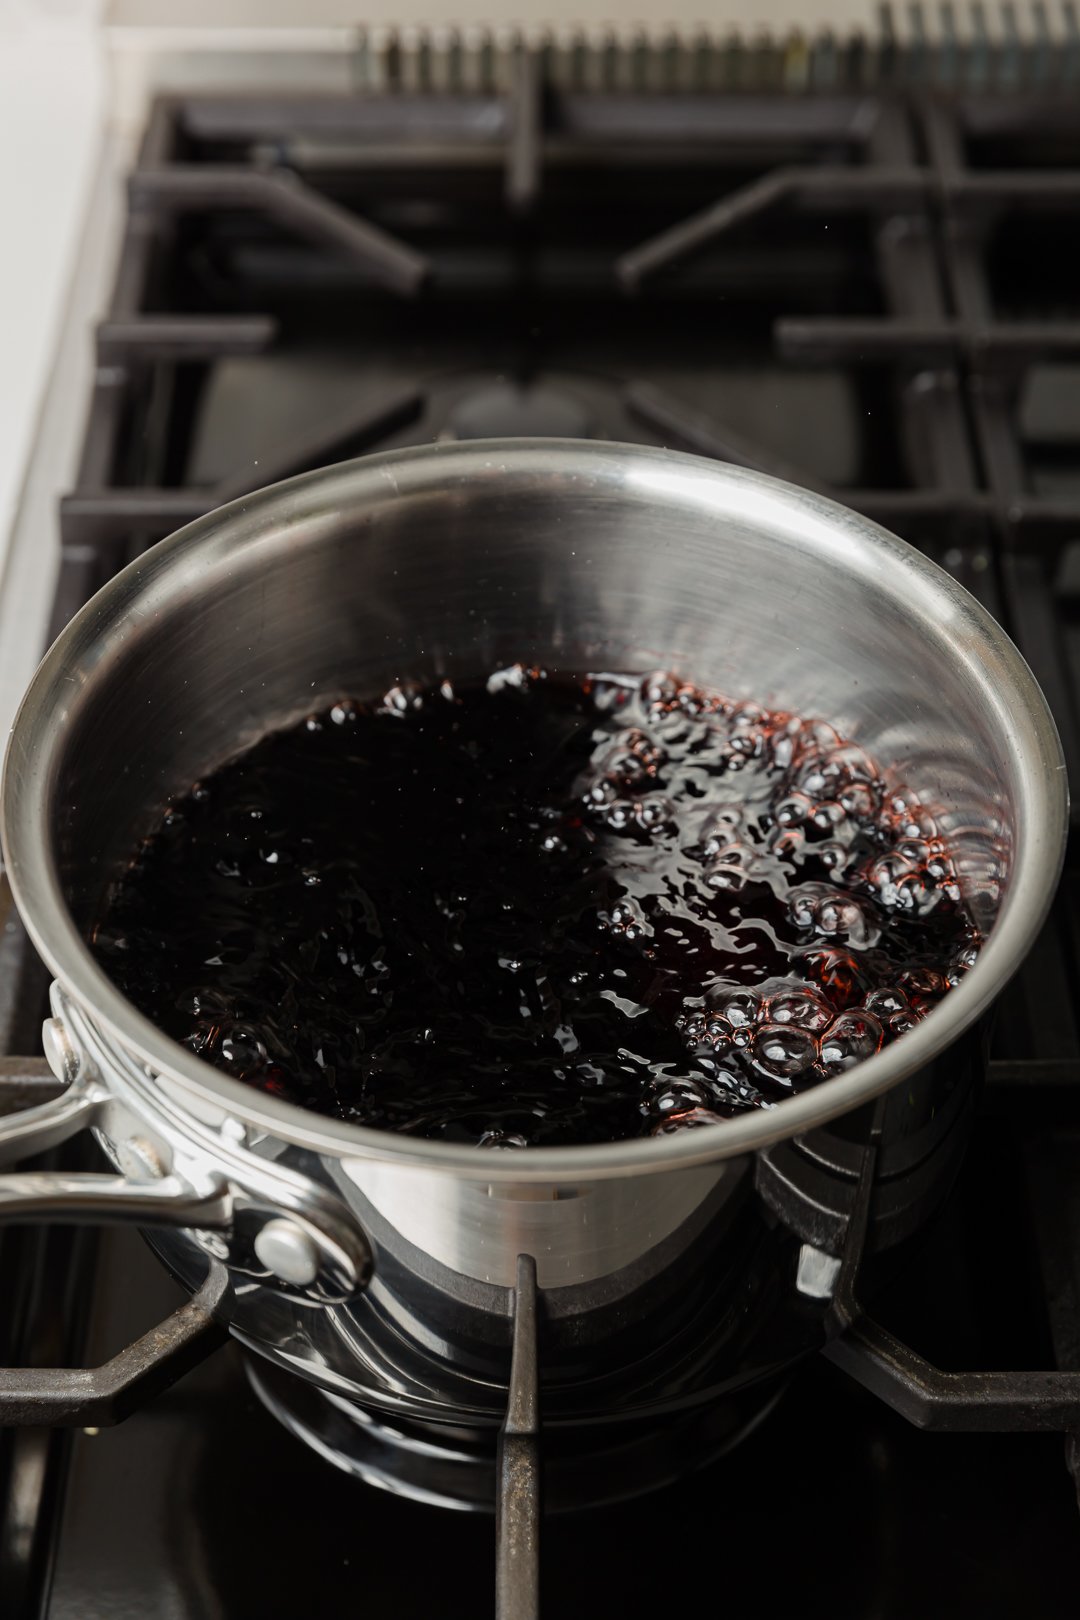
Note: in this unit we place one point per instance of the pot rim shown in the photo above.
(820, 523)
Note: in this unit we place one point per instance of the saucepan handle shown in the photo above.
(269, 1223)
(63, 1197)
(38, 1112)
(28, 1126)
(75, 1196)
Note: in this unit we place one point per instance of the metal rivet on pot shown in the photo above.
(60, 1054)
(289, 1252)
(139, 1159)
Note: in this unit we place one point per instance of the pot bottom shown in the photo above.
(450, 1465)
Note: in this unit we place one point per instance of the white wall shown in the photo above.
(50, 99)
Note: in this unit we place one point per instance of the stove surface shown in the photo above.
(871, 293)
(203, 1505)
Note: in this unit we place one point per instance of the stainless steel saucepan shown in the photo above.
(450, 561)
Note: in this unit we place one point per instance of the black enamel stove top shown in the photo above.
(869, 287)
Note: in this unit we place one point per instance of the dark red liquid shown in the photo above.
(541, 911)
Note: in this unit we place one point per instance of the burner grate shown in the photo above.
(266, 203)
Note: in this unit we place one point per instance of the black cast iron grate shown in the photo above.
(920, 247)
(615, 265)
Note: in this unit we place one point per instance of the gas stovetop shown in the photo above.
(869, 292)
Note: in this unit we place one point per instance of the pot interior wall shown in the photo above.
(394, 570)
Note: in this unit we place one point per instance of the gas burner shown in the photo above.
(447, 1465)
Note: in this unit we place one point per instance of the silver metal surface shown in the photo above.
(581, 1230)
(60, 1055)
(173, 1178)
(772, 47)
(261, 1191)
(46, 1125)
(775, 46)
(444, 563)
(286, 1249)
(448, 561)
(70, 1197)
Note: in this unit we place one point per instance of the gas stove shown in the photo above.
(849, 267)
